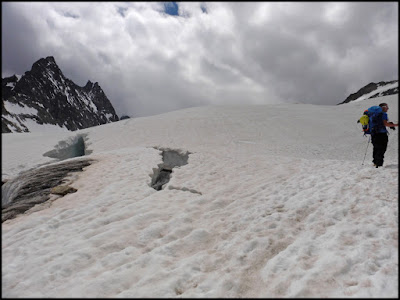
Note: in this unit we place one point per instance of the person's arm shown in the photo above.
(389, 124)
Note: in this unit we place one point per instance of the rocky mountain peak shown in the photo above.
(48, 97)
(92, 86)
(45, 64)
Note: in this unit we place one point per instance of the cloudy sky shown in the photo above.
(154, 57)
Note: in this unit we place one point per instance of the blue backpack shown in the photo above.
(372, 120)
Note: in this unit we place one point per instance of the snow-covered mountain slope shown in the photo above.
(273, 202)
(43, 99)
(373, 90)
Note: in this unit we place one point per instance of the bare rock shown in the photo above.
(35, 187)
(62, 190)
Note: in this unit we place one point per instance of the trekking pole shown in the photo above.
(366, 151)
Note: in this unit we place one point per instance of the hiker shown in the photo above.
(379, 137)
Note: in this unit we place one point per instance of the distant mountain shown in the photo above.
(44, 96)
(373, 90)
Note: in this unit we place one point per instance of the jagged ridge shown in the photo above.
(369, 88)
(45, 96)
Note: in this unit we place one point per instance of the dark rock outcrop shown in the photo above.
(46, 96)
(386, 93)
(34, 187)
(372, 87)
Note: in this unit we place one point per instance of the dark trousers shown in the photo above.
(379, 141)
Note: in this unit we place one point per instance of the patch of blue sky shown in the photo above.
(171, 8)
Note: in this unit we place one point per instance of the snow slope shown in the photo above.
(274, 202)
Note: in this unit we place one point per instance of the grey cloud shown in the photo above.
(296, 68)
(70, 15)
(122, 11)
(18, 40)
(148, 62)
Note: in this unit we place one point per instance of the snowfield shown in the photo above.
(273, 202)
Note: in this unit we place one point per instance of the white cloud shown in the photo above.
(148, 61)
(336, 13)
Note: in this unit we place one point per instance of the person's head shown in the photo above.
(384, 106)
